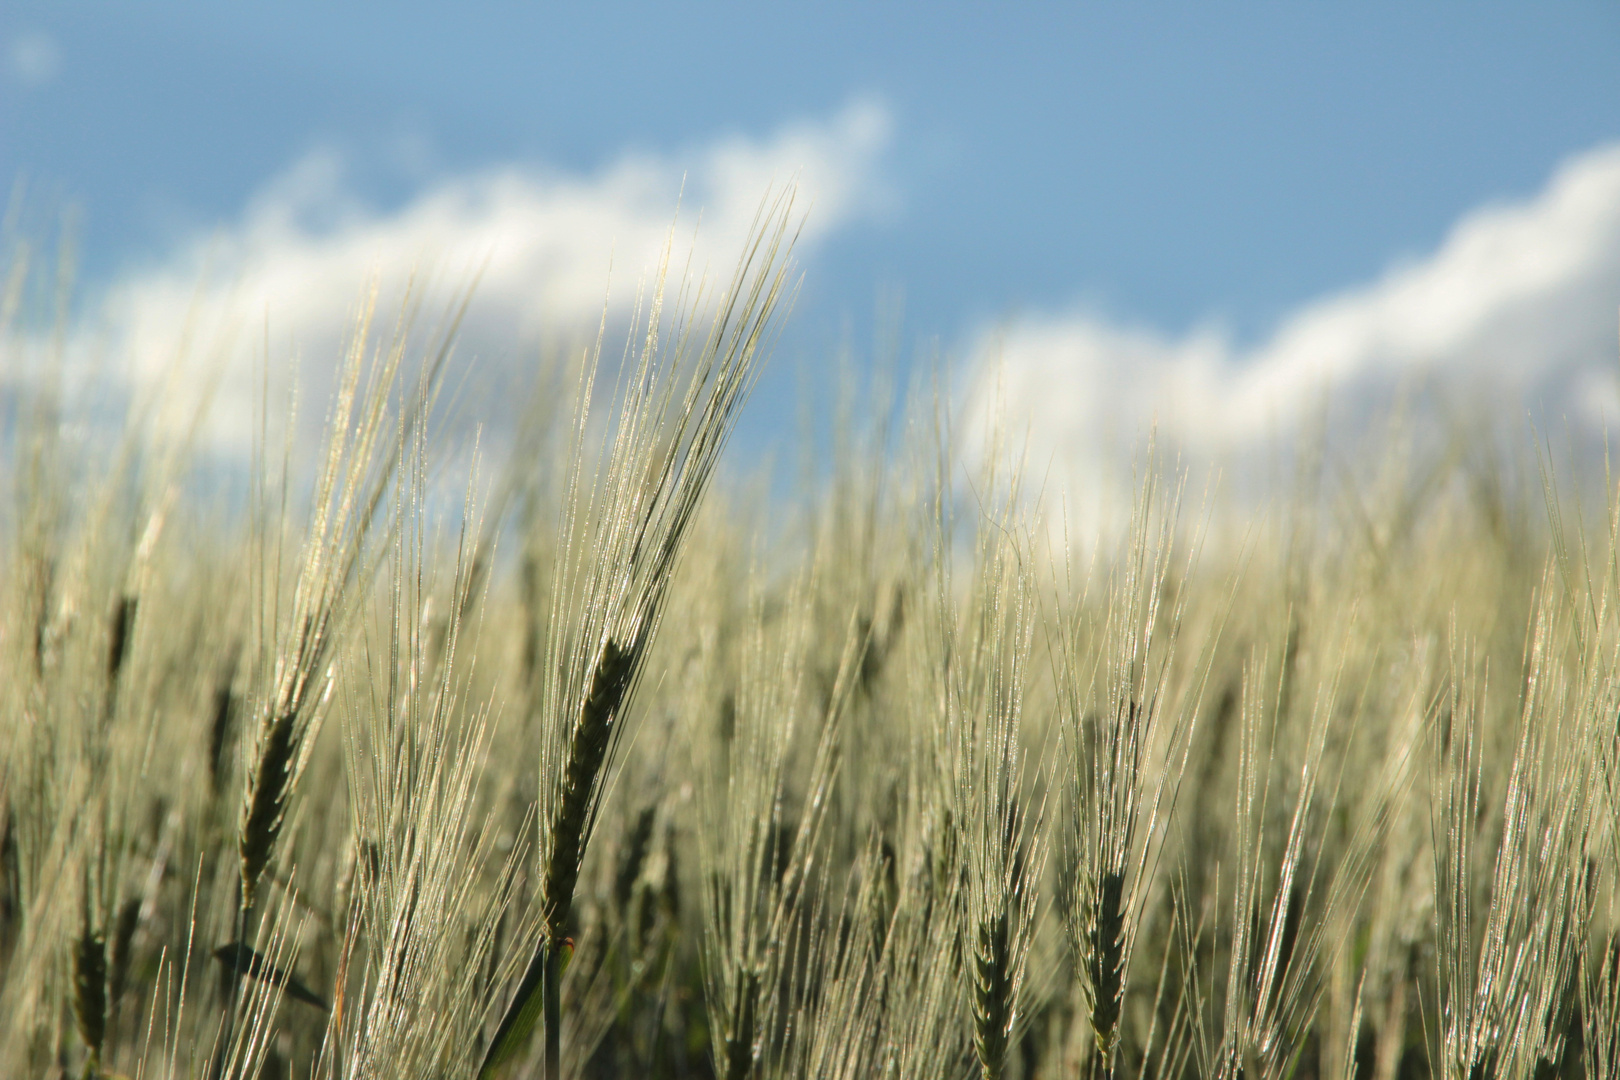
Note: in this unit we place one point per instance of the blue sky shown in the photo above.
(1167, 177)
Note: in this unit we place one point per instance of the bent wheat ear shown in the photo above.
(360, 461)
(621, 532)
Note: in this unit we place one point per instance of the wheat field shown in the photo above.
(615, 763)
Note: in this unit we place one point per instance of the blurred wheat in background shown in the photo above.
(607, 764)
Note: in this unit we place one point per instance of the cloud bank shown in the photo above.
(1518, 305)
(551, 251)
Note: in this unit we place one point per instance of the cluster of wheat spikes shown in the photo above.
(594, 767)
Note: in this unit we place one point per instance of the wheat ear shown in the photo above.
(266, 802)
(593, 733)
(992, 994)
(619, 545)
(610, 679)
(90, 988)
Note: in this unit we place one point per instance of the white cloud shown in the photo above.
(1518, 304)
(33, 58)
(298, 262)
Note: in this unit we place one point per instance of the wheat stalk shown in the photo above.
(1120, 798)
(983, 654)
(619, 541)
(359, 461)
(90, 986)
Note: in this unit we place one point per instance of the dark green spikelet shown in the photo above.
(123, 626)
(10, 875)
(587, 750)
(266, 798)
(118, 638)
(219, 735)
(1105, 960)
(633, 856)
(123, 942)
(90, 992)
(992, 995)
(669, 893)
